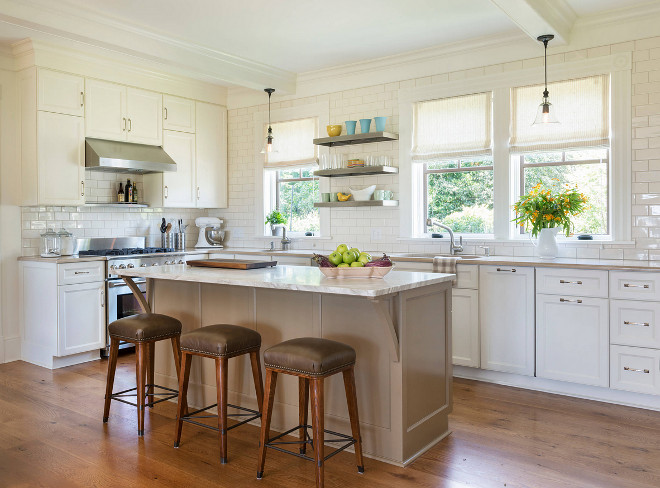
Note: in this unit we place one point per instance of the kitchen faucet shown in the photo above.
(453, 248)
(286, 242)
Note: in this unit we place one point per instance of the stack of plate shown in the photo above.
(356, 163)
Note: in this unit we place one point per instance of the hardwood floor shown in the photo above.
(52, 435)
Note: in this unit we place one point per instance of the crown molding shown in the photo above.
(89, 28)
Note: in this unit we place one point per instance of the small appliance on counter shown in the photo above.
(210, 233)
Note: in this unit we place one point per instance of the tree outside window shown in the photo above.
(297, 190)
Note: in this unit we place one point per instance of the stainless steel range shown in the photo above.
(123, 253)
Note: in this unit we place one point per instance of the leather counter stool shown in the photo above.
(219, 342)
(312, 360)
(143, 330)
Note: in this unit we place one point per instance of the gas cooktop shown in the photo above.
(126, 251)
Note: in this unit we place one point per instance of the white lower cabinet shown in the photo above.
(572, 339)
(635, 369)
(81, 318)
(506, 311)
(465, 327)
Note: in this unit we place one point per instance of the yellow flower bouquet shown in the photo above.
(544, 208)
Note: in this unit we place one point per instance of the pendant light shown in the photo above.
(268, 148)
(545, 113)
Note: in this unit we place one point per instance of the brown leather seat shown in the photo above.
(221, 340)
(144, 327)
(310, 355)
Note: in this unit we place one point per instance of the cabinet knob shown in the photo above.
(512, 270)
(124, 127)
(634, 370)
(165, 110)
(167, 191)
(82, 99)
(563, 300)
(130, 125)
(82, 186)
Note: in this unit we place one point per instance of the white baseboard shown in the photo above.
(607, 395)
(10, 349)
(43, 356)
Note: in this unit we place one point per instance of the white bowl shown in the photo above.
(364, 194)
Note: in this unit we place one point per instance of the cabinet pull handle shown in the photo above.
(130, 125)
(165, 109)
(644, 324)
(82, 99)
(124, 119)
(167, 191)
(634, 370)
(81, 272)
(572, 301)
(82, 188)
(102, 299)
(513, 270)
(564, 282)
(629, 285)
(197, 193)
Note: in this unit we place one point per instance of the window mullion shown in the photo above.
(503, 174)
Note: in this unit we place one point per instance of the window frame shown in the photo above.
(277, 180)
(617, 66)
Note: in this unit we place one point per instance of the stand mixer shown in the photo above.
(210, 233)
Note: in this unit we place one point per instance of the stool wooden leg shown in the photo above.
(351, 399)
(221, 386)
(266, 415)
(150, 351)
(176, 350)
(303, 405)
(258, 379)
(140, 371)
(317, 426)
(182, 406)
(110, 381)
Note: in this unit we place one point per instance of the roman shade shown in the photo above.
(582, 108)
(452, 127)
(292, 143)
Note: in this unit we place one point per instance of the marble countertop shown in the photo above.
(79, 259)
(296, 278)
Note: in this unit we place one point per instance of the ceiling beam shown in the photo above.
(538, 17)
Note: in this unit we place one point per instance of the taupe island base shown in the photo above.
(400, 327)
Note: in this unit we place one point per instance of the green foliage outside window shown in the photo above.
(296, 200)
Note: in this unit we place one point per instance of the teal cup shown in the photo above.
(325, 197)
(334, 197)
(380, 123)
(350, 127)
(365, 126)
(379, 195)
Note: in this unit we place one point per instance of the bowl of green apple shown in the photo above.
(351, 263)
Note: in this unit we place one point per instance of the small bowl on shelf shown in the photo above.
(364, 194)
(333, 130)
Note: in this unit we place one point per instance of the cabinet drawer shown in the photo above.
(467, 276)
(635, 369)
(635, 285)
(581, 282)
(86, 272)
(635, 324)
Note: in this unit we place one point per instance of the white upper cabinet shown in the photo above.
(60, 93)
(174, 189)
(211, 156)
(506, 311)
(143, 113)
(178, 114)
(121, 113)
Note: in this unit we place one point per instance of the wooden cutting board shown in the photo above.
(231, 263)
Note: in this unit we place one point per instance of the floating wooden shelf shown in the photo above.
(362, 171)
(117, 204)
(353, 203)
(356, 139)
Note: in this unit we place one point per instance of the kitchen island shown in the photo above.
(400, 327)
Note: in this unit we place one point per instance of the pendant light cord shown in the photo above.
(545, 65)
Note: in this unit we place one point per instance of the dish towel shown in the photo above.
(444, 264)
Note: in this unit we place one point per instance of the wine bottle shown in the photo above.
(135, 193)
(128, 192)
(120, 194)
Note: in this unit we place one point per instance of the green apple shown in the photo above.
(364, 258)
(357, 264)
(336, 258)
(342, 248)
(356, 251)
(343, 265)
(349, 257)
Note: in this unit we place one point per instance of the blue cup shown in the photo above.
(380, 123)
(365, 125)
(350, 127)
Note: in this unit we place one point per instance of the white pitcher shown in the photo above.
(547, 243)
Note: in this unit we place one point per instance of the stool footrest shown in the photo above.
(192, 416)
(346, 439)
(169, 393)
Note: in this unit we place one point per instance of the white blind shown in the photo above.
(292, 143)
(452, 127)
(582, 108)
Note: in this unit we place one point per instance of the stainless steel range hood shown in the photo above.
(125, 157)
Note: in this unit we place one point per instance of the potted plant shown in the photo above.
(276, 221)
(544, 211)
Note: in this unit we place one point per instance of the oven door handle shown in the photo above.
(115, 284)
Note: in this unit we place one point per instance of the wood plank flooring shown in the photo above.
(52, 435)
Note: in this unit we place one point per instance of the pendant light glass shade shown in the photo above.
(268, 146)
(545, 113)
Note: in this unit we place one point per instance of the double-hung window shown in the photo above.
(289, 182)
(452, 139)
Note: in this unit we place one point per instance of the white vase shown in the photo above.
(547, 243)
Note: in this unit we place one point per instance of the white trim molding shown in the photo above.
(618, 66)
